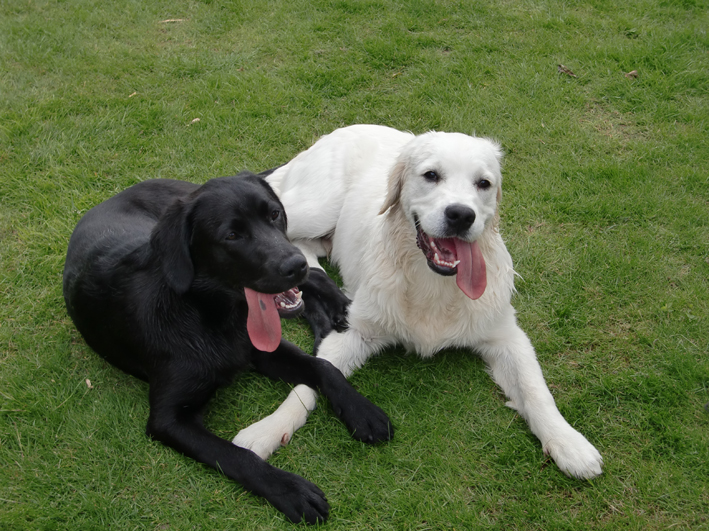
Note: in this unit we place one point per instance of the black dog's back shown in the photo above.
(107, 249)
(126, 220)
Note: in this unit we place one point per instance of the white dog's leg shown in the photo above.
(311, 249)
(514, 366)
(267, 435)
(347, 351)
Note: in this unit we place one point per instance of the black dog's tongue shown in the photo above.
(263, 323)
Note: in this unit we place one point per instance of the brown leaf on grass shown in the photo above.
(632, 74)
(533, 228)
(88, 384)
(564, 70)
(194, 121)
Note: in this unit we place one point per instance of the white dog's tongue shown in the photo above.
(263, 323)
(471, 277)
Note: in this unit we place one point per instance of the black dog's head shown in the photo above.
(230, 231)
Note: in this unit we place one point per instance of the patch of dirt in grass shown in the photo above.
(615, 125)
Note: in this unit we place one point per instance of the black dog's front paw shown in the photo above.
(325, 305)
(297, 498)
(365, 421)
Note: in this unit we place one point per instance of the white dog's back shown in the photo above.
(313, 185)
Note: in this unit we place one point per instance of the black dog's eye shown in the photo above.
(231, 236)
(275, 214)
(431, 176)
(484, 184)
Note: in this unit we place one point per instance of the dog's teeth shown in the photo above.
(438, 261)
(299, 295)
(283, 304)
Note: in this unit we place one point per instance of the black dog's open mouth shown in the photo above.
(265, 311)
(289, 303)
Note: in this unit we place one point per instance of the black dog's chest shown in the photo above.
(212, 336)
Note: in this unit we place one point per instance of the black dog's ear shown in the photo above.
(170, 241)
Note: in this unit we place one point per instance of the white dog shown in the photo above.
(412, 223)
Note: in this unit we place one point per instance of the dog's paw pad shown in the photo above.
(285, 439)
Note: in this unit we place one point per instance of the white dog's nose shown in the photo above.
(459, 217)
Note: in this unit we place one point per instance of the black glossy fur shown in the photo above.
(154, 282)
(325, 305)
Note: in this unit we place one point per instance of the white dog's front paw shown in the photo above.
(263, 438)
(574, 455)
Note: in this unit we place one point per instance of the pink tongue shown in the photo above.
(263, 323)
(471, 277)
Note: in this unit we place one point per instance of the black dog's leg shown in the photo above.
(179, 425)
(325, 305)
(365, 421)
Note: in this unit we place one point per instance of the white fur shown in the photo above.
(333, 194)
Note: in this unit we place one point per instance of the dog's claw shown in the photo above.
(366, 422)
(297, 498)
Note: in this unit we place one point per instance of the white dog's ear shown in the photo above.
(499, 155)
(396, 183)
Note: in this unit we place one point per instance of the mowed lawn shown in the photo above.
(605, 211)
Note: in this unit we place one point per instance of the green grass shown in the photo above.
(605, 212)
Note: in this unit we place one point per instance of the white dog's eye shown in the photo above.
(484, 184)
(431, 176)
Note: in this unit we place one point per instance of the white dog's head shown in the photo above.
(448, 186)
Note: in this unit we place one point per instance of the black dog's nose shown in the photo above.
(294, 268)
(459, 217)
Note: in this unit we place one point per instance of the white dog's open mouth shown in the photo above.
(440, 253)
(453, 256)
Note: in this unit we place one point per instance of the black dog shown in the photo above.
(176, 284)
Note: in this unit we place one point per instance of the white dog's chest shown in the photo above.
(431, 316)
